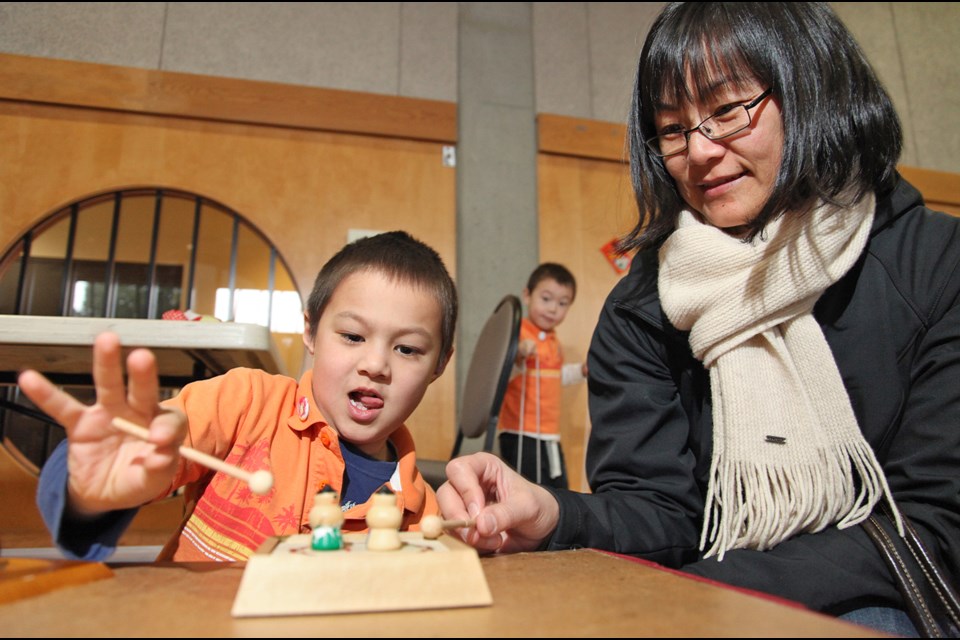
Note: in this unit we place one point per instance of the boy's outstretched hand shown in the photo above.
(110, 470)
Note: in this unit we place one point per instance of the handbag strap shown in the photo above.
(931, 602)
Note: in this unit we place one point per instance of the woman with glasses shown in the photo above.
(783, 358)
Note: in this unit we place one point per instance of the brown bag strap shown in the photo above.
(930, 600)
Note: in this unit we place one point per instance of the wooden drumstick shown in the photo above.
(432, 526)
(260, 482)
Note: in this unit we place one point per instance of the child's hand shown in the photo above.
(110, 470)
(583, 369)
(525, 349)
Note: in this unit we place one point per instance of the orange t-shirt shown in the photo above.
(255, 420)
(544, 392)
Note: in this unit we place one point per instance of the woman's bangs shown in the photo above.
(711, 61)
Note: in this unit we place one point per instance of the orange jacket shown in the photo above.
(549, 383)
(253, 420)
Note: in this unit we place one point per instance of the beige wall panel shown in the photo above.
(338, 45)
(428, 50)
(617, 31)
(561, 49)
(873, 26)
(303, 190)
(583, 205)
(126, 33)
(930, 48)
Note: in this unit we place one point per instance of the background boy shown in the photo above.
(379, 325)
(530, 418)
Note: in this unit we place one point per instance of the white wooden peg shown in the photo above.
(432, 526)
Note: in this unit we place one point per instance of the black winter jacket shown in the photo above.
(893, 323)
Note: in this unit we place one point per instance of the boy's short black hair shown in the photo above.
(400, 257)
(840, 128)
(553, 271)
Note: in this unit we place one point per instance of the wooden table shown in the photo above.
(563, 594)
(60, 347)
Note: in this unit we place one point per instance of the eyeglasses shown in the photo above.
(726, 122)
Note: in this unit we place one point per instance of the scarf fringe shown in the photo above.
(769, 503)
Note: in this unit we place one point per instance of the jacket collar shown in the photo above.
(638, 295)
(305, 413)
(893, 204)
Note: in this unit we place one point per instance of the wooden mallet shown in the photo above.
(260, 482)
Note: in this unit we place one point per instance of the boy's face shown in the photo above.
(375, 353)
(548, 303)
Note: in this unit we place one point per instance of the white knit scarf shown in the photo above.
(787, 450)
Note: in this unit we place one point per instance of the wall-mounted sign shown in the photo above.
(620, 262)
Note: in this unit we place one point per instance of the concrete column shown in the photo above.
(497, 234)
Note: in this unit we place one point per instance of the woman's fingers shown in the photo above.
(511, 513)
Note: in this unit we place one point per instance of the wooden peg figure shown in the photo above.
(384, 519)
(326, 518)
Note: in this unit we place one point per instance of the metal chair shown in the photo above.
(485, 385)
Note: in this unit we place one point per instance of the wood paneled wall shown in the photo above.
(941, 190)
(584, 204)
(302, 165)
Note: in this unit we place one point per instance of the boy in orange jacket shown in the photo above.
(379, 324)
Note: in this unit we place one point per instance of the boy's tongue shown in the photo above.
(368, 400)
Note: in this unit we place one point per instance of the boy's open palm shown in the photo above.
(110, 470)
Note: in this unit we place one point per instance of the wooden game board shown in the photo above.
(286, 577)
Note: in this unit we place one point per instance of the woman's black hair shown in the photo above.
(840, 129)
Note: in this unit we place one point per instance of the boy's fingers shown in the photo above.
(107, 371)
(57, 404)
(144, 386)
(168, 428)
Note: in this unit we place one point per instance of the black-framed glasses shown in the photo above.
(726, 122)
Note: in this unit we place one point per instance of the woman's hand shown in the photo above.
(511, 513)
(107, 469)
